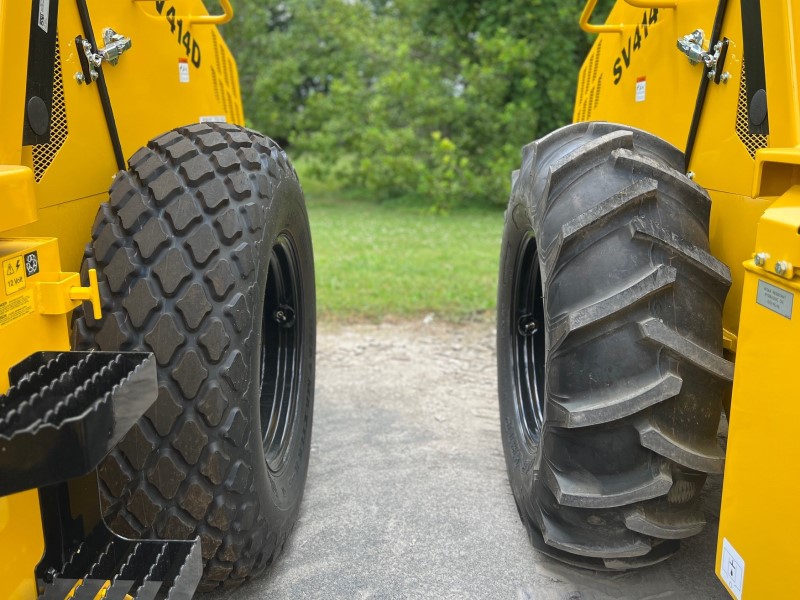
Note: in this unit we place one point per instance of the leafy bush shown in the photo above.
(409, 97)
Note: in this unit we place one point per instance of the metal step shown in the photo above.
(66, 410)
(141, 569)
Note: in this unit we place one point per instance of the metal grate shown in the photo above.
(598, 88)
(589, 85)
(222, 74)
(751, 141)
(44, 154)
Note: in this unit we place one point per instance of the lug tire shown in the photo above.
(609, 334)
(204, 258)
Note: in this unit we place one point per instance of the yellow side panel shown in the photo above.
(21, 545)
(757, 551)
(759, 530)
(14, 39)
(645, 53)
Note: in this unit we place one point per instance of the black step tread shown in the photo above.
(119, 590)
(65, 410)
(143, 569)
(88, 589)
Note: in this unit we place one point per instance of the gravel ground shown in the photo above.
(407, 494)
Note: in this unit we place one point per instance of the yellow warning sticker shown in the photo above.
(14, 275)
(16, 307)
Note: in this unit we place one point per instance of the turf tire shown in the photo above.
(204, 258)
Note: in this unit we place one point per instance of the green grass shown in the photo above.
(377, 261)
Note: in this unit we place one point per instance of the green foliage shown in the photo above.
(409, 97)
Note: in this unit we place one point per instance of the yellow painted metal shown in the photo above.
(781, 23)
(60, 293)
(775, 170)
(760, 492)
(18, 191)
(586, 15)
(21, 545)
(225, 17)
(645, 53)
(14, 28)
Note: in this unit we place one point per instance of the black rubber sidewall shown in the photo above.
(521, 455)
(282, 492)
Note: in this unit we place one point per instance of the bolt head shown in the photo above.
(761, 259)
(781, 267)
(725, 77)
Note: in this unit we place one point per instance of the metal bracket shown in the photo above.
(115, 46)
(692, 46)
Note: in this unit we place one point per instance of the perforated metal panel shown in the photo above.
(589, 85)
(44, 154)
(751, 141)
(224, 81)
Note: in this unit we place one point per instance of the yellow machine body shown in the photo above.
(178, 71)
(636, 75)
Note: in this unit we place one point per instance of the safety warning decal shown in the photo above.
(731, 569)
(16, 307)
(14, 275)
(641, 89)
(183, 70)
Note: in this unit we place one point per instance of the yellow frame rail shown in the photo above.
(591, 4)
(225, 17)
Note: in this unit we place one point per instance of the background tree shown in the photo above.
(410, 97)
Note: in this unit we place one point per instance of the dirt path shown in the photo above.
(407, 494)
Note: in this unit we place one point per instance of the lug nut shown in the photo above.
(527, 326)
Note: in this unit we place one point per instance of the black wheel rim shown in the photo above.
(281, 334)
(528, 337)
